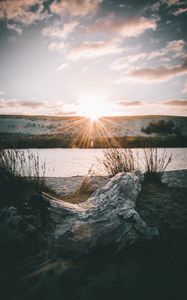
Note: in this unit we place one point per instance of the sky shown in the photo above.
(93, 57)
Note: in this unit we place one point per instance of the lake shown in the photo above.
(73, 162)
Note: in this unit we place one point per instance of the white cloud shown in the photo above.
(172, 2)
(180, 11)
(21, 11)
(185, 88)
(15, 28)
(176, 46)
(127, 61)
(89, 50)
(2, 93)
(75, 7)
(171, 50)
(58, 47)
(60, 32)
(132, 27)
(161, 73)
(62, 67)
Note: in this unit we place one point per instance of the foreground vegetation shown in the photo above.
(21, 175)
(147, 271)
(116, 160)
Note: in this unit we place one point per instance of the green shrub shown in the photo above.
(161, 127)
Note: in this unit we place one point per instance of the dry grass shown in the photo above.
(114, 161)
(21, 175)
(75, 198)
(155, 164)
(23, 164)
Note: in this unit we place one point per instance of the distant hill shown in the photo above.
(69, 131)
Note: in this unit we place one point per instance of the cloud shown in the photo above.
(172, 2)
(126, 61)
(60, 32)
(22, 11)
(176, 102)
(58, 47)
(2, 93)
(161, 73)
(20, 103)
(130, 103)
(180, 11)
(65, 113)
(89, 50)
(15, 28)
(127, 28)
(75, 7)
(172, 49)
(16, 106)
(62, 67)
(176, 46)
(165, 107)
(185, 88)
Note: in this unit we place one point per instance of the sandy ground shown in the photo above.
(176, 179)
(66, 186)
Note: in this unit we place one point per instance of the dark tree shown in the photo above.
(161, 127)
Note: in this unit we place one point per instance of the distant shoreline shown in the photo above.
(80, 132)
(24, 141)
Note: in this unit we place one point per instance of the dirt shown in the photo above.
(156, 271)
(166, 208)
(76, 198)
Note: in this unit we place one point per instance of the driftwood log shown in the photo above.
(79, 254)
(108, 217)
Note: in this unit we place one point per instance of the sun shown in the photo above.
(93, 114)
(92, 107)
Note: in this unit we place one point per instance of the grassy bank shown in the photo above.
(19, 141)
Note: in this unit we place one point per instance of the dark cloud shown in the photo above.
(161, 73)
(176, 102)
(67, 113)
(20, 106)
(130, 103)
(21, 103)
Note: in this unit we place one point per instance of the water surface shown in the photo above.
(73, 162)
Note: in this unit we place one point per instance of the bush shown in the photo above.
(155, 164)
(20, 175)
(114, 161)
(161, 127)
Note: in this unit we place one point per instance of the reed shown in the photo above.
(21, 173)
(23, 164)
(155, 164)
(116, 160)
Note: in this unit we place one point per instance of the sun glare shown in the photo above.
(92, 107)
